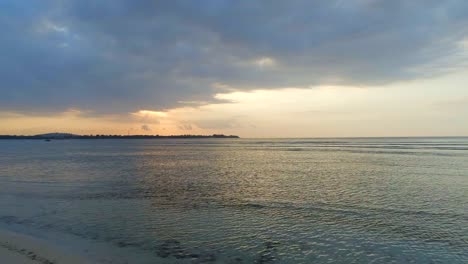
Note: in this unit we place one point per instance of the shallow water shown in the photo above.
(378, 200)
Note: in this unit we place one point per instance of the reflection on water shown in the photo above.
(243, 201)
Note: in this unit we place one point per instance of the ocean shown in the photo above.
(345, 200)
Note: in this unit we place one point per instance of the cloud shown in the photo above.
(185, 125)
(147, 116)
(146, 128)
(116, 56)
(220, 123)
(456, 104)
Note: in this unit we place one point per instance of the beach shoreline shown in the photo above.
(25, 245)
(17, 248)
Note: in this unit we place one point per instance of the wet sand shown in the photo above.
(13, 257)
(18, 248)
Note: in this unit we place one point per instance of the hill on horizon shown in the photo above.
(57, 135)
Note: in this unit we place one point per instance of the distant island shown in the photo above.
(50, 136)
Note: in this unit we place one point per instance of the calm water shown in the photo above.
(381, 200)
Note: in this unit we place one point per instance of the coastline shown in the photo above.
(24, 245)
(56, 136)
(17, 248)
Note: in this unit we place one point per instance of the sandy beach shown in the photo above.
(18, 248)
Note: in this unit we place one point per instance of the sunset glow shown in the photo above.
(254, 81)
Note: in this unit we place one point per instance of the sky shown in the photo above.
(273, 68)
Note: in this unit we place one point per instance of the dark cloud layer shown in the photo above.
(120, 56)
